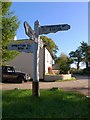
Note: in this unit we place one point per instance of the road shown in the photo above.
(79, 85)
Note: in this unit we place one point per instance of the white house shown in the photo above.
(24, 61)
(48, 61)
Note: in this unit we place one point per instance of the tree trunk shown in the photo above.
(86, 65)
(78, 66)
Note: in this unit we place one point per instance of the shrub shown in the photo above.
(75, 71)
(86, 71)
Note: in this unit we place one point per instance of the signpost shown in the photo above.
(35, 46)
(28, 48)
(40, 43)
(28, 30)
(35, 84)
(38, 31)
(53, 28)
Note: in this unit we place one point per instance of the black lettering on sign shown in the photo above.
(14, 45)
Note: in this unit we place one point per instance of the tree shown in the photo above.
(82, 54)
(5, 7)
(85, 51)
(10, 25)
(64, 61)
(76, 56)
(50, 45)
(89, 54)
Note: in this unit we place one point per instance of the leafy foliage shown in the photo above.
(10, 25)
(76, 56)
(5, 7)
(64, 61)
(81, 54)
(85, 51)
(50, 45)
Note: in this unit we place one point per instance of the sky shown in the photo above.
(49, 13)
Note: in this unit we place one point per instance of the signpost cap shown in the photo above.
(37, 22)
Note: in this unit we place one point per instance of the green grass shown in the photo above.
(50, 104)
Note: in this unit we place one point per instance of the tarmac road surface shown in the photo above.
(80, 85)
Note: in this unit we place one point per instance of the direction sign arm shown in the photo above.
(53, 28)
(28, 30)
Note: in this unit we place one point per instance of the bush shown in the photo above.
(86, 71)
(75, 71)
(64, 68)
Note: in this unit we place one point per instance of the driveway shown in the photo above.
(79, 85)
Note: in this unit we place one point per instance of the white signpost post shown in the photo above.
(35, 47)
(35, 84)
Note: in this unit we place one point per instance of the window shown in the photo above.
(10, 69)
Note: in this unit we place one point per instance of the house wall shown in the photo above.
(48, 60)
(24, 62)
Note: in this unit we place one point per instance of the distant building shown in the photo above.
(15, 38)
(25, 61)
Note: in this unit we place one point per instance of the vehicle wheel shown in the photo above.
(20, 79)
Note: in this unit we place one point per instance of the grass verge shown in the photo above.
(51, 104)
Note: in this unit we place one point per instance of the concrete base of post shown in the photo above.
(35, 88)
